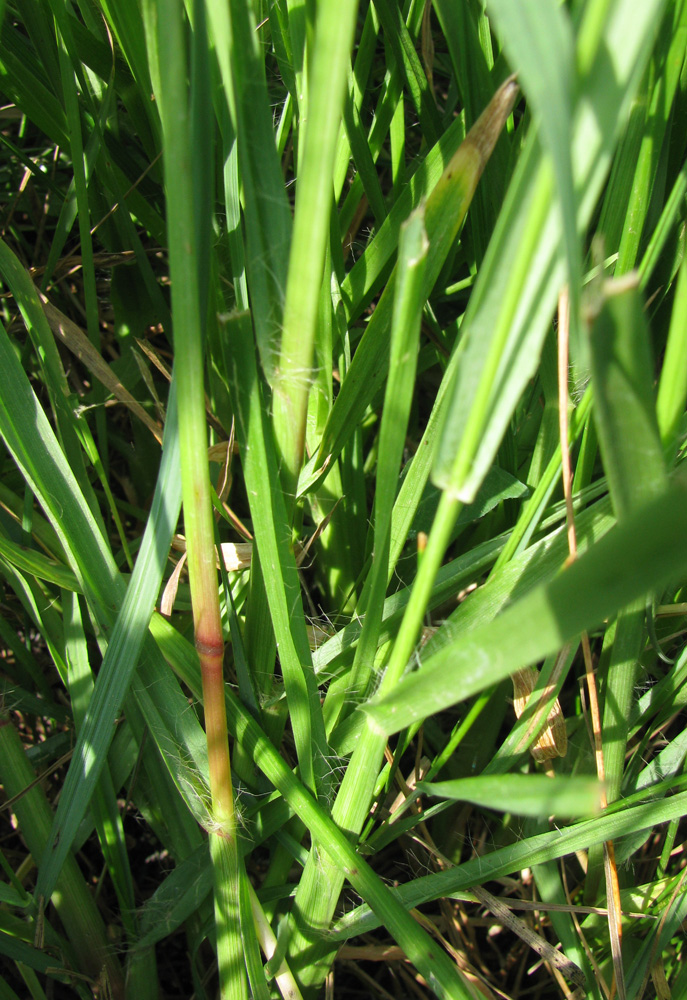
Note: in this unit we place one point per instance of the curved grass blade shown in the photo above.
(30, 439)
(514, 297)
(649, 548)
(440, 972)
(531, 851)
(444, 214)
(521, 794)
(538, 41)
(334, 29)
(270, 524)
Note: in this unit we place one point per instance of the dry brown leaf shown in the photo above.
(553, 739)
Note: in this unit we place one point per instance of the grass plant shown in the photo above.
(287, 275)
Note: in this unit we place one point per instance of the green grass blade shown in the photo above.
(270, 523)
(403, 46)
(103, 803)
(124, 646)
(316, 895)
(515, 295)
(353, 115)
(33, 315)
(444, 214)
(31, 441)
(405, 332)
(537, 38)
(332, 41)
(266, 211)
(472, 67)
(672, 388)
(624, 401)
(522, 794)
(661, 86)
(625, 418)
(640, 554)
(25, 86)
(187, 130)
(430, 961)
(367, 272)
(77, 909)
(539, 849)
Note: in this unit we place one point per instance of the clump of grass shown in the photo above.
(288, 277)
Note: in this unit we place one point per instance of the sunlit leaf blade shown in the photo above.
(405, 335)
(267, 215)
(538, 41)
(624, 398)
(672, 389)
(270, 522)
(649, 548)
(366, 273)
(517, 287)
(522, 794)
(348, 113)
(125, 644)
(333, 37)
(504, 860)
(444, 214)
(625, 415)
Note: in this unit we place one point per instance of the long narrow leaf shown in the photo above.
(634, 557)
